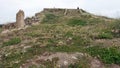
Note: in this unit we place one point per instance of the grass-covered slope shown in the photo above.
(96, 36)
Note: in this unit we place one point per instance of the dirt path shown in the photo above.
(108, 42)
(64, 59)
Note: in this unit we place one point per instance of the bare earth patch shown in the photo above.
(64, 59)
(108, 42)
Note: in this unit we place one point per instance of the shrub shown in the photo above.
(116, 27)
(93, 21)
(60, 49)
(77, 22)
(76, 65)
(33, 66)
(80, 41)
(116, 24)
(107, 55)
(65, 48)
(105, 36)
(68, 34)
(50, 18)
(34, 34)
(12, 41)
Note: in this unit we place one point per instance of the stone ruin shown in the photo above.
(31, 20)
(9, 26)
(21, 22)
(68, 12)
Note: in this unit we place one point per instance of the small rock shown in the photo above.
(65, 63)
(73, 57)
(46, 54)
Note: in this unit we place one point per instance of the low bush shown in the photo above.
(93, 21)
(76, 65)
(12, 41)
(68, 34)
(80, 41)
(77, 22)
(107, 55)
(105, 36)
(116, 24)
(65, 48)
(34, 34)
(50, 18)
(116, 28)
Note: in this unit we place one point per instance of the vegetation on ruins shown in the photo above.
(12, 41)
(108, 55)
(92, 36)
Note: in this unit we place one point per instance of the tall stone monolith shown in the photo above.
(20, 19)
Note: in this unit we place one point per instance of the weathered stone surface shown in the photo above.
(9, 26)
(34, 20)
(95, 63)
(31, 20)
(63, 11)
(20, 19)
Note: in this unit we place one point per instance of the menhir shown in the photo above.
(20, 19)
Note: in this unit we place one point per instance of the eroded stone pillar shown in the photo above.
(20, 19)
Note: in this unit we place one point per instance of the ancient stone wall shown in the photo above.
(68, 12)
(21, 22)
(32, 20)
(56, 11)
(18, 24)
(9, 26)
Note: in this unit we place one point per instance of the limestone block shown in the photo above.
(20, 19)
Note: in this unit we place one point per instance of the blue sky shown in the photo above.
(9, 8)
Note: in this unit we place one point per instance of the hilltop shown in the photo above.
(62, 38)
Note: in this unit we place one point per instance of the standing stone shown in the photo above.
(20, 19)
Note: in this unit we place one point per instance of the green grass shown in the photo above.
(20, 56)
(33, 66)
(105, 36)
(51, 63)
(9, 60)
(77, 22)
(116, 27)
(116, 24)
(68, 34)
(108, 55)
(12, 41)
(50, 18)
(93, 21)
(33, 34)
(65, 49)
(81, 41)
(55, 38)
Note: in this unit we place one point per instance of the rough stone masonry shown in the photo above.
(20, 19)
(21, 22)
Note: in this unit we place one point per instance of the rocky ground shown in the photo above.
(58, 41)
